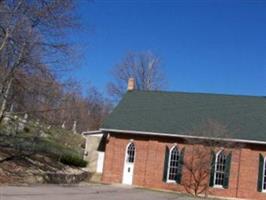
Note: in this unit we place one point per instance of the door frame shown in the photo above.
(127, 164)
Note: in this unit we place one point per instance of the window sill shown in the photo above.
(170, 181)
(218, 187)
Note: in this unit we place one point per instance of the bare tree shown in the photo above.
(31, 44)
(197, 167)
(87, 111)
(200, 160)
(98, 108)
(144, 67)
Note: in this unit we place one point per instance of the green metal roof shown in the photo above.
(181, 113)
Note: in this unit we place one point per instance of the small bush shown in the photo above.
(73, 160)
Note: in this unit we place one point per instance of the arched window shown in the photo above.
(264, 175)
(131, 153)
(220, 169)
(173, 165)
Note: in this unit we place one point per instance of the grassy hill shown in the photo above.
(33, 150)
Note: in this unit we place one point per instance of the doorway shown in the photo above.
(129, 164)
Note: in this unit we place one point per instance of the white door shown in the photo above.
(129, 164)
(100, 162)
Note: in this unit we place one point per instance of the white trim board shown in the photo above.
(96, 132)
(182, 136)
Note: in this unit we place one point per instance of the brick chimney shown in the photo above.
(131, 84)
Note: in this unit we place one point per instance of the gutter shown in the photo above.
(182, 136)
(96, 132)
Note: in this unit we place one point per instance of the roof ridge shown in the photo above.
(196, 93)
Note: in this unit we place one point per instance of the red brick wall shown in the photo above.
(149, 164)
(248, 176)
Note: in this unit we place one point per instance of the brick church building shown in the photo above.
(147, 134)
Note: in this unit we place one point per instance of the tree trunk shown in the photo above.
(4, 103)
(4, 41)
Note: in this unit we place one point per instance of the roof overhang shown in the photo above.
(183, 136)
(92, 133)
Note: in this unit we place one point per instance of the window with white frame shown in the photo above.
(173, 165)
(131, 153)
(220, 167)
(264, 176)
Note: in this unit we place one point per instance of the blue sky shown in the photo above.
(205, 46)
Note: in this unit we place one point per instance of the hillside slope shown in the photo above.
(35, 154)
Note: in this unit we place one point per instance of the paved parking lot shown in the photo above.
(88, 192)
